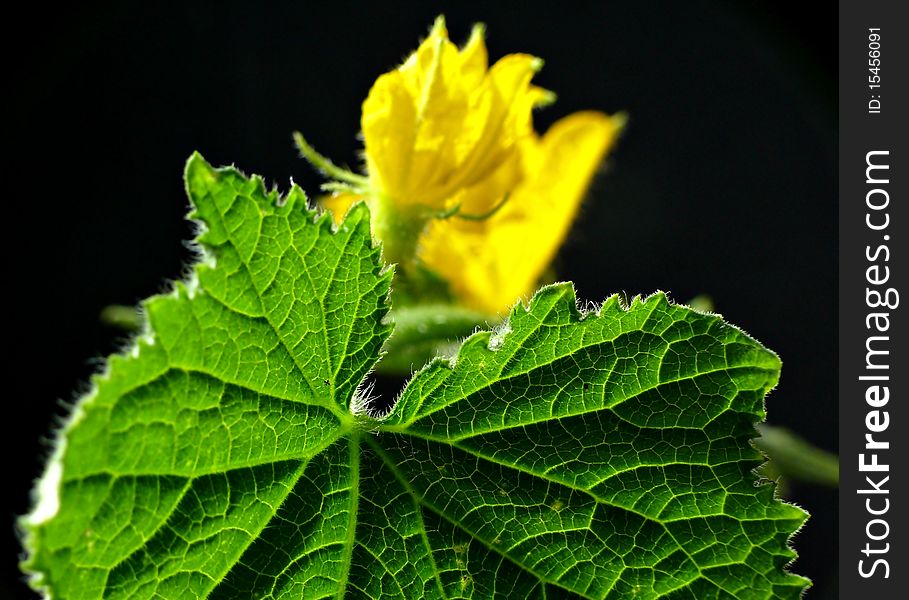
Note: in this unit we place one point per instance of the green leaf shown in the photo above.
(605, 453)
(229, 453)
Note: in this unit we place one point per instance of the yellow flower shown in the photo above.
(490, 264)
(443, 121)
(459, 182)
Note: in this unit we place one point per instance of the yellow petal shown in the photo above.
(479, 198)
(442, 122)
(504, 124)
(490, 264)
(474, 58)
(338, 204)
(388, 123)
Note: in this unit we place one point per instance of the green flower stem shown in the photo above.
(126, 318)
(422, 331)
(325, 165)
(795, 458)
(399, 231)
(437, 321)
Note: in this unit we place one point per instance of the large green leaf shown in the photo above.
(230, 453)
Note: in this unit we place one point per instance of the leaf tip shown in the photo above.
(197, 169)
(294, 195)
(47, 495)
(561, 294)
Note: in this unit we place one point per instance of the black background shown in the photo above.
(723, 183)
